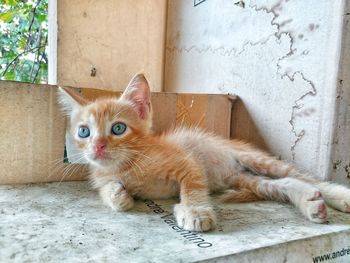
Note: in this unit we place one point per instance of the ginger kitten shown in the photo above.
(127, 161)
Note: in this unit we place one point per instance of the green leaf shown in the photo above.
(44, 66)
(14, 39)
(10, 75)
(7, 16)
(41, 18)
(10, 2)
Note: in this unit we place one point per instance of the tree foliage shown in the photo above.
(23, 40)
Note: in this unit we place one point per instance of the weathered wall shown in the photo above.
(117, 38)
(281, 57)
(341, 142)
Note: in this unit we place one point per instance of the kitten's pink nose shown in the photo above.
(100, 146)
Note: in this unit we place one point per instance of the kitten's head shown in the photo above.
(106, 130)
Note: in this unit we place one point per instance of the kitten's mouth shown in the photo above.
(101, 156)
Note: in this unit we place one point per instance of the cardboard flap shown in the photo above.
(32, 127)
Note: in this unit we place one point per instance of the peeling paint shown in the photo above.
(336, 164)
(252, 44)
(347, 170)
(313, 92)
(298, 105)
(240, 4)
(220, 50)
(272, 10)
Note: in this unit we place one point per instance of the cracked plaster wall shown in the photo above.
(281, 57)
(341, 140)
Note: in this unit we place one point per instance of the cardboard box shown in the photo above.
(115, 38)
(32, 127)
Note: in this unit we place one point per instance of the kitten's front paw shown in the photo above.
(115, 196)
(195, 218)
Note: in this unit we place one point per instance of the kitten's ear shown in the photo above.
(138, 92)
(69, 100)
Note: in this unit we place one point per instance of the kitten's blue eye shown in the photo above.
(119, 128)
(84, 132)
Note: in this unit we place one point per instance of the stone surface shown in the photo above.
(66, 222)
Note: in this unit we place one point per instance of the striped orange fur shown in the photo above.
(127, 161)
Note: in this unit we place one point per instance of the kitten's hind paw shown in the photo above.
(339, 203)
(195, 218)
(336, 196)
(318, 212)
(314, 208)
(343, 205)
(115, 196)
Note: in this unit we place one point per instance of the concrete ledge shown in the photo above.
(66, 222)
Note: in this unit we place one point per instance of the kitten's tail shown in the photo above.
(261, 163)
